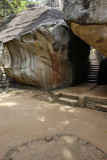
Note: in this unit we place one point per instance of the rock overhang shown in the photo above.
(85, 11)
(88, 20)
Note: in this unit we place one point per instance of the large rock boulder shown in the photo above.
(94, 35)
(88, 20)
(37, 43)
(85, 11)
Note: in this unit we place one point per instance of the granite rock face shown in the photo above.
(36, 48)
(85, 11)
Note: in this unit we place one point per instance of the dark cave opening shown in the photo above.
(78, 57)
(87, 64)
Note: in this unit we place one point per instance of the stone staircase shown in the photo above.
(93, 71)
(93, 74)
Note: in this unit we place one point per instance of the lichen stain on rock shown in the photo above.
(56, 75)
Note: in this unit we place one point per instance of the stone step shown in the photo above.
(97, 106)
(94, 59)
(94, 66)
(90, 105)
(101, 107)
(65, 98)
(67, 101)
(92, 78)
(94, 62)
(92, 75)
(96, 74)
(65, 95)
(93, 69)
(91, 81)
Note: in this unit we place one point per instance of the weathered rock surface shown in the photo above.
(94, 35)
(54, 3)
(88, 19)
(85, 11)
(37, 43)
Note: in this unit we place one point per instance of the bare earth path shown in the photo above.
(24, 118)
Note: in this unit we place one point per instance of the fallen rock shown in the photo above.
(37, 43)
(49, 138)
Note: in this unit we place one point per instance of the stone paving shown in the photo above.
(59, 147)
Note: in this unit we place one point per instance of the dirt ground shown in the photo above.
(23, 117)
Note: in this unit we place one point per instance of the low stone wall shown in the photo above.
(84, 101)
(98, 103)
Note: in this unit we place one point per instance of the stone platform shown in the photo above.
(88, 95)
(60, 147)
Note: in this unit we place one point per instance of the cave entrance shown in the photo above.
(88, 65)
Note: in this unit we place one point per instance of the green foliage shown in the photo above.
(8, 7)
(25, 3)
